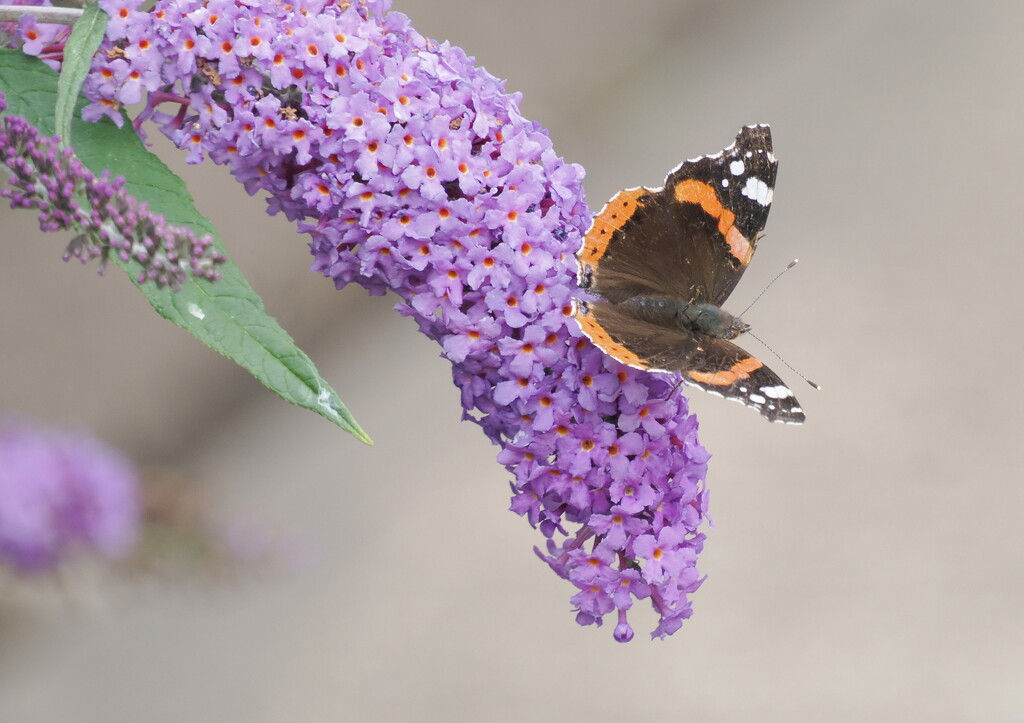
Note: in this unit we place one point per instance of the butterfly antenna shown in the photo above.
(777, 277)
(788, 365)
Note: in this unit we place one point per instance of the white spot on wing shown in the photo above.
(725, 183)
(757, 190)
(736, 168)
(779, 392)
(757, 399)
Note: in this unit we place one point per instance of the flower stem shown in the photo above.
(59, 16)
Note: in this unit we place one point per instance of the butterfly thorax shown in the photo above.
(678, 313)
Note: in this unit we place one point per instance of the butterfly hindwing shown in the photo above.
(633, 341)
(723, 368)
(715, 365)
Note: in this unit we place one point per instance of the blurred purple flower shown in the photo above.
(60, 492)
(412, 170)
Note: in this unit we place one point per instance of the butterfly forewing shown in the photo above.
(731, 192)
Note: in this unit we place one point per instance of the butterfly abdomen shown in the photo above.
(656, 310)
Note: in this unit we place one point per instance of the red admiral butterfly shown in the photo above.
(663, 260)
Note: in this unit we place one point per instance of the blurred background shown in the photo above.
(867, 565)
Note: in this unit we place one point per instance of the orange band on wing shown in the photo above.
(601, 339)
(702, 194)
(740, 370)
(611, 218)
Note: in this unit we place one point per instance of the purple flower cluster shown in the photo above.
(68, 196)
(59, 492)
(413, 170)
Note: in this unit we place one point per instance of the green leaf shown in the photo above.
(228, 315)
(86, 36)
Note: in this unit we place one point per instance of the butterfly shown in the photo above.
(663, 261)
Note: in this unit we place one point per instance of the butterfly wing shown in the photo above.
(691, 239)
(635, 248)
(633, 341)
(720, 367)
(730, 193)
(713, 364)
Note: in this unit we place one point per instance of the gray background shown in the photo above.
(864, 566)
